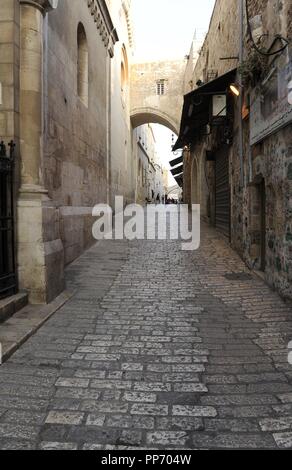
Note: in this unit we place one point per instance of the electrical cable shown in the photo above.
(254, 45)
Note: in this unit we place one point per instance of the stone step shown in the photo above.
(11, 305)
(24, 323)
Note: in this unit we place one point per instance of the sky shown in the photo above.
(164, 29)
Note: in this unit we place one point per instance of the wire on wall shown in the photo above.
(255, 46)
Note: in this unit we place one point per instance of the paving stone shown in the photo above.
(140, 397)
(232, 441)
(93, 447)
(165, 438)
(152, 410)
(152, 387)
(231, 425)
(111, 384)
(79, 383)
(132, 367)
(285, 397)
(58, 446)
(77, 393)
(283, 410)
(63, 417)
(95, 420)
(17, 444)
(182, 377)
(24, 417)
(244, 411)
(214, 400)
(196, 411)
(18, 431)
(69, 404)
(93, 434)
(277, 424)
(180, 423)
(195, 388)
(283, 440)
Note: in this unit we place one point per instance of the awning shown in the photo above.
(177, 170)
(197, 105)
(179, 179)
(177, 161)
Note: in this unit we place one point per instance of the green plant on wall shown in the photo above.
(253, 69)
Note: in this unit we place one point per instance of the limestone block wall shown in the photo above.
(122, 159)
(9, 69)
(75, 143)
(146, 104)
(273, 161)
(222, 41)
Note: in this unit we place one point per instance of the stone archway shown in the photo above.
(157, 90)
(142, 116)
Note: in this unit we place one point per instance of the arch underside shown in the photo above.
(151, 115)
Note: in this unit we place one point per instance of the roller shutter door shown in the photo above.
(222, 193)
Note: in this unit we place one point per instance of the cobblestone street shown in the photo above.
(157, 349)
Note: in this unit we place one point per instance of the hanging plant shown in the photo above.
(253, 69)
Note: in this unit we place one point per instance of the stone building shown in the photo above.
(156, 93)
(122, 166)
(64, 68)
(150, 174)
(238, 149)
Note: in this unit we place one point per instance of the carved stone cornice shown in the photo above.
(43, 5)
(104, 24)
(127, 9)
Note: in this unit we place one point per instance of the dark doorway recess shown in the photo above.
(222, 192)
(8, 283)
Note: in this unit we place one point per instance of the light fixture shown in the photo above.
(235, 88)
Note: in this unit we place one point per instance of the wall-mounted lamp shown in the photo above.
(235, 89)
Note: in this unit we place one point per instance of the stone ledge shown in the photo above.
(12, 304)
(17, 330)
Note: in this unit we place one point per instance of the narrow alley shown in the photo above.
(157, 349)
(118, 119)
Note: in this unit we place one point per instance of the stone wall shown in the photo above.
(75, 150)
(9, 69)
(146, 104)
(63, 142)
(269, 161)
(122, 160)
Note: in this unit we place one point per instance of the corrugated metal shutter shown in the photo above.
(222, 193)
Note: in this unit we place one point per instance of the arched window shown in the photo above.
(124, 71)
(82, 65)
(123, 77)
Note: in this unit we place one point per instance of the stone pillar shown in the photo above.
(40, 250)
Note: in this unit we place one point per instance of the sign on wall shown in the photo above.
(271, 108)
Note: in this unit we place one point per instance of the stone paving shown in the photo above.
(157, 349)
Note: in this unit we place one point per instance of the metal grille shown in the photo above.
(222, 193)
(161, 87)
(7, 256)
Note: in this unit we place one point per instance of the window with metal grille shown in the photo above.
(160, 87)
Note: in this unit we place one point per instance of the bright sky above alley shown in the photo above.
(165, 28)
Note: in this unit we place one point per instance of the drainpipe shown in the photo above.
(241, 58)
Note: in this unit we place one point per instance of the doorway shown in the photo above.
(7, 255)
